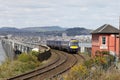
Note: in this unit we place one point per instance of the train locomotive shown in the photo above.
(70, 46)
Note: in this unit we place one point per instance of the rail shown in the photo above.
(61, 65)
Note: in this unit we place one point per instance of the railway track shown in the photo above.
(57, 61)
(54, 58)
(62, 63)
(80, 60)
(60, 69)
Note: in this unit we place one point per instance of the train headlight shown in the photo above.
(73, 47)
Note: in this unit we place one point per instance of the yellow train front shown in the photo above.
(73, 45)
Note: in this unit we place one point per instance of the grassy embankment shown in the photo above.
(97, 68)
(23, 63)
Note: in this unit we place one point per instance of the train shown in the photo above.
(69, 46)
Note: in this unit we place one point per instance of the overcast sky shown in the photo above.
(66, 13)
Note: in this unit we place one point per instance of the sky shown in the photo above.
(65, 13)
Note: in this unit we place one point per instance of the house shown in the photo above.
(105, 38)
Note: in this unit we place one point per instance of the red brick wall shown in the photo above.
(112, 43)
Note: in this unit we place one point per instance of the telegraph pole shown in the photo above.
(119, 37)
(118, 56)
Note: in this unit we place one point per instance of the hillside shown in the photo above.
(12, 29)
(56, 30)
(44, 29)
(77, 31)
(35, 31)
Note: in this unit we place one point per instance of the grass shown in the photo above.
(24, 62)
(94, 69)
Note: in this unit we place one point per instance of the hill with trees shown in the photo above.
(40, 31)
(77, 31)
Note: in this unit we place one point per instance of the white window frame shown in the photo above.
(103, 40)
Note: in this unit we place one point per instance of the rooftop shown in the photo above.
(106, 28)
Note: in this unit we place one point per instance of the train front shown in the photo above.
(74, 45)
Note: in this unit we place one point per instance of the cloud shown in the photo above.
(55, 12)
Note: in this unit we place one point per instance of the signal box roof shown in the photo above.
(106, 29)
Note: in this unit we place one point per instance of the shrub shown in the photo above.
(25, 62)
(94, 69)
(27, 57)
(35, 53)
(77, 72)
(100, 60)
(6, 70)
(89, 63)
(101, 53)
(21, 67)
(105, 52)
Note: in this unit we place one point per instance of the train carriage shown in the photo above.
(70, 46)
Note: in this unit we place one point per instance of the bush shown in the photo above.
(24, 63)
(93, 69)
(27, 57)
(3, 70)
(89, 63)
(101, 53)
(100, 60)
(105, 52)
(23, 67)
(77, 72)
(35, 53)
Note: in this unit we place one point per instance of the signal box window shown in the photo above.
(104, 40)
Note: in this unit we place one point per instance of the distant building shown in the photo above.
(64, 35)
(9, 36)
(105, 38)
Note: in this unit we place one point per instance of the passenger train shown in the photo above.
(70, 46)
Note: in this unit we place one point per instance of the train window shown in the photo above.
(74, 43)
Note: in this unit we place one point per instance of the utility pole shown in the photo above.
(118, 56)
(119, 37)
